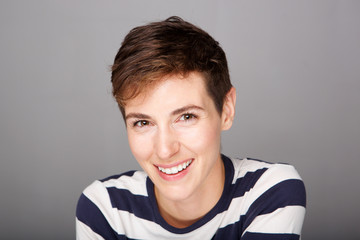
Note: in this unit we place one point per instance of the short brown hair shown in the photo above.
(173, 46)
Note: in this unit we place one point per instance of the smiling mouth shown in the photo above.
(176, 169)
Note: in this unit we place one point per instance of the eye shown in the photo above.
(187, 117)
(141, 123)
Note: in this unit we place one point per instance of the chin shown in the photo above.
(174, 193)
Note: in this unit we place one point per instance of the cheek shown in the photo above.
(140, 147)
(204, 139)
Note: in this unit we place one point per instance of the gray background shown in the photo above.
(295, 65)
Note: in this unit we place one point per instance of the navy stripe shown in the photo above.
(88, 213)
(238, 189)
(259, 160)
(286, 193)
(244, 184)
(241, 186)
(123, 237)
(129, 174)
(139, 205)
(269, 236)
(231, 231)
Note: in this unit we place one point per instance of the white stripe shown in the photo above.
(136, 184)
(283, 220)
(84, 232)
(245, 166)
(235, 210)
(98, 194)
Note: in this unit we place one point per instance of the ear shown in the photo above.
(228, 112)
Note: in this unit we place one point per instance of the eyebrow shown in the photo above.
(186, 108)
(175, 112)
(137, 115)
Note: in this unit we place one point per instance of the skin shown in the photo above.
(173, 123)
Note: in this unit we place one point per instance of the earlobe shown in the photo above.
(228, 112)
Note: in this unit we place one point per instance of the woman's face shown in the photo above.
(174, 133)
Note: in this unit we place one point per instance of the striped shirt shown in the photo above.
(260, 201)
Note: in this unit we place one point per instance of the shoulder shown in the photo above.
(133, 181)
(276, 172)
(275, 200)
(265, 181)
(98, 207)
(101, 195)
(273, 197)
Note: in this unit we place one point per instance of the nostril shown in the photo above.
(168, 149)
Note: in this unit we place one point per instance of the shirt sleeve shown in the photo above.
(93, 213)
(278, 209)
(84, 232)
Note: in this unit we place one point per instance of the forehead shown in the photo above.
(171, 92)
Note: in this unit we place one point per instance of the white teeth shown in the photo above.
(176, 169)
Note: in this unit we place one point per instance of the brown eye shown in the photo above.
(141, 123)
(187, 116)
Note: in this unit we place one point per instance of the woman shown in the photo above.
(172, 84)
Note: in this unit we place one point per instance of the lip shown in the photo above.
(176, 176)
(173, 164)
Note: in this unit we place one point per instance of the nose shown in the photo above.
(166, 143)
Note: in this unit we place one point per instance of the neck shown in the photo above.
(181, 214)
